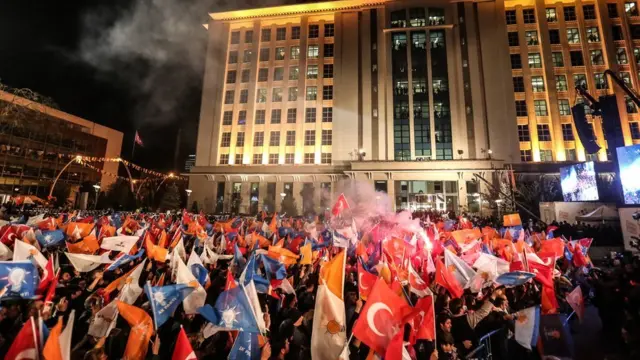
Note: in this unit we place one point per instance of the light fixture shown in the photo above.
(78, 157)
(498, 201)
(283, 194)
(189, 191)
(489, 151)
(171, 175)
(476, 194)
(96, 187)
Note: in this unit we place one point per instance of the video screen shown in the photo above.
(629, 163)
(578, 182)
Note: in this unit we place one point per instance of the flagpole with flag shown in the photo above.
(137, 140)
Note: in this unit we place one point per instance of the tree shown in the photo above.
(61, 194)
(119, 196)
(289, 206)
(171, 198)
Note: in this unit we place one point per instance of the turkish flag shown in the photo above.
(396, 349)
(47, 277)
(340, 205)
(576, 301)
(366, 280)
(381, 318)
(422, 320)
(231, 282)
(183, 349)
(416, 284)
(24, 345)
(445, 278)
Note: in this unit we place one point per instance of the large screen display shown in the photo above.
(578, 182)
(629, 163)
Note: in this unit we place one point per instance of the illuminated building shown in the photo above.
(412, 96)
(37, 141)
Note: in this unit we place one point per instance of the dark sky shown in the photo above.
(41, 49)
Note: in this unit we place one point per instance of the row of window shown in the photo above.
(596, 56)
(281, 33)
(280, 53)
(417, 17)
(276, 116)
(274, 138)
(537, 82)
(274, 159)
(573, 36)
(567, 132)
(277, 94)
(278, 73)
(569, 12)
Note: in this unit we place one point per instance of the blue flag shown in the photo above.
(200, 272)
(273, 267)
(250, 274)
(50, 238)
(19, 278)
(232, 311)
(164, 300)
(514, 278)
(125, 259)
(238, 258)
(246, 347)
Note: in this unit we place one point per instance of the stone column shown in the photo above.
(391, 191)
(279, 190)
(245, 193)
(262, 194)
(297, 187)
(228, 192)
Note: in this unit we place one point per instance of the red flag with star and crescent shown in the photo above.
(422, 320)
(381, 318)
(445, 278)
(366, 280)
(340, 205)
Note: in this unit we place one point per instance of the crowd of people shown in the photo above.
(465, 289)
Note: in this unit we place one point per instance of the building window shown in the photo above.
(289, 158)
(626, 78)
(274, 138)
(293, 94)
(280, 52)
(248, 36)
(510, 16)
(417, 17)
(260, 117)
(246, 56)
(242, 117)
(325, 158)
(263, 75)
(238, 160)
(231, 77)
(265, 35)
(309, 137)
(314, 31)
(621, 56)
(561, 83)
(630, 8)
(233, 57)
(227, 117)
(264, 54)
(294, 72)
(537, 83)
(567, 132)
(596, 57)
(551, 14)
(518, 84)
(612, 8)
(601, 82)
(240, 139)
(327, 71)
(327, 92)
(310, 115)
(228, 96)
(273, 159)
(636, 55)
(576, 58)
(328, 50)
(312, 93)
(512, 36)
(546, 156)
(630, 105)
(563, 107)
(294, 52)
(257, 159)
(276, 116)
(312, 71)
(326, 137)
(516, 62)
(554, 36)
(635, 130)
(258, 139)
(278, 74)
(309, 158)
(246, 73)
(573, 36)
(235, 37)
(556, 58)
(291, 138)
(224, 159)
(226, 139)
(593, 34)
(329, 30)
(540, 107)
(529, 16)
(531, 37)
(313, 51)
(398, 19)
(281, 34)
(295, 33)
(570, 154)
(327, 114)
(589, 12)
(569, 13)
(580, 80)
(523, 133)
(521, 108)
(291, 116)
(543, 132)
(535, 62)
(525, 155)
(276, 95)
(617, 33)
(262, 96)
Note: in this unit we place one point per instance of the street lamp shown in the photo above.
(96, 187)
(489, 152)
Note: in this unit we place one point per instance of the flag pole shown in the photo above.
(133, 147)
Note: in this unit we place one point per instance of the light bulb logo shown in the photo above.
(16, 279)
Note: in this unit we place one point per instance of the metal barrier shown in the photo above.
(483, 350)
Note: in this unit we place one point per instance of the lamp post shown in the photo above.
(499, 204)
(96, 187)
(188, 191)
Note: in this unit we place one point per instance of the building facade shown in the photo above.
(37, 141)
(413, 96)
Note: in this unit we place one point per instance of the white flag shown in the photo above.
(131, 289)
(526, 327)
(85, 263)
(5, 252)
(463, 272)
(22, 251)
(197, 298)
(119, 243)
(65, 338)
(104, 321)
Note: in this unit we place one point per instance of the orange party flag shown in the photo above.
(141, 330)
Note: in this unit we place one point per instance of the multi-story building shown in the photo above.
(37, 141)
(413, 96)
